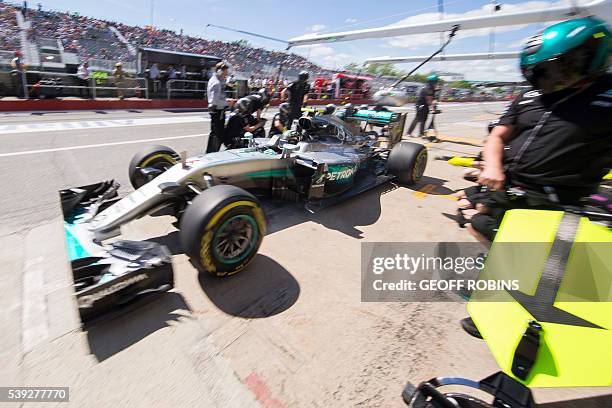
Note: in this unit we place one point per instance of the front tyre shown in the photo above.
(407, 162)
(222, 229)
(157, 158)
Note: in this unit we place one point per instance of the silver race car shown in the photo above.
(214, 196)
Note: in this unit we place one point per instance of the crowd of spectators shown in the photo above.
(9, 32)
(88, 37)
(242, 57)
(81, 34)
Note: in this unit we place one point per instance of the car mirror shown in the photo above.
(288, 148)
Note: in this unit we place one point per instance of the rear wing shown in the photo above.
(392, 123)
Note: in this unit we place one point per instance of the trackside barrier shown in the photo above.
(93, 86)
(184, 85)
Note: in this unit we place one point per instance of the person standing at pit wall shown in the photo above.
(83, 76)
(154, 76)
(119, 76)
(217, 105)
(19, 76)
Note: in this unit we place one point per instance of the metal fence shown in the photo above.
(108, 65)
(95, 88)
(184, 85)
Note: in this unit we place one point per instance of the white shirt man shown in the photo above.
(83, 71)
(154, 72)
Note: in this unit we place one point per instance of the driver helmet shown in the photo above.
(349, 108)
(284, 108)
(566, 53)
(244, 106)
(303, 76)
(329, 109)
(364, 106)
(291, 136)
(433, 79)
(346, 112)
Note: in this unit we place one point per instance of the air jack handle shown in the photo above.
(452, 33)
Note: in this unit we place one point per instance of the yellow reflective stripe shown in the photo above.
(599, 35)
(225, 209)
(207, 237)
(158, 156)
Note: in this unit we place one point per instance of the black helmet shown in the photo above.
(349, 109)
(245, 105)
(303, 76)
(566, 53)
(265, 96)
(343, 111)
(284, 108)
(329, 109)
(256, 102)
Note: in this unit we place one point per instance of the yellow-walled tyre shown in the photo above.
(222, 229)
(155, 157)
(407, 162)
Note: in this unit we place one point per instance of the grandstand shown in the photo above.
(56, 40)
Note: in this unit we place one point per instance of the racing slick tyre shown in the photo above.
(222, 229)
(407, 162)
(414, 399)
(154, 157)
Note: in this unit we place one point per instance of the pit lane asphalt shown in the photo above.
(288, 332)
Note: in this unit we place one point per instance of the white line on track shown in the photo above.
(97, 124)
(91, 146)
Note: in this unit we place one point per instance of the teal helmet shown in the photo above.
(566, 53)
(433, 78)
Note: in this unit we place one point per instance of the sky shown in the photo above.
(286, 19)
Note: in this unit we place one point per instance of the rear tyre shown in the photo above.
(157, 157)
(222, 229)
(407, 162)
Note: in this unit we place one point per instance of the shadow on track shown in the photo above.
(437, 183)
(345, 217)
(262, 290)
(113, 334)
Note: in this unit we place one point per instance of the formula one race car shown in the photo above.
(214, 197)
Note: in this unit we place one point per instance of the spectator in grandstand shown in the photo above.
(83, 76)
(9, 32)
(217, 105)
(297, 95)
(119, 76)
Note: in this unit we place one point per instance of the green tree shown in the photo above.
(351, 67)
(242, 43)
(460, 84)
(382, 69)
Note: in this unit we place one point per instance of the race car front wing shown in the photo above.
(109, 275)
